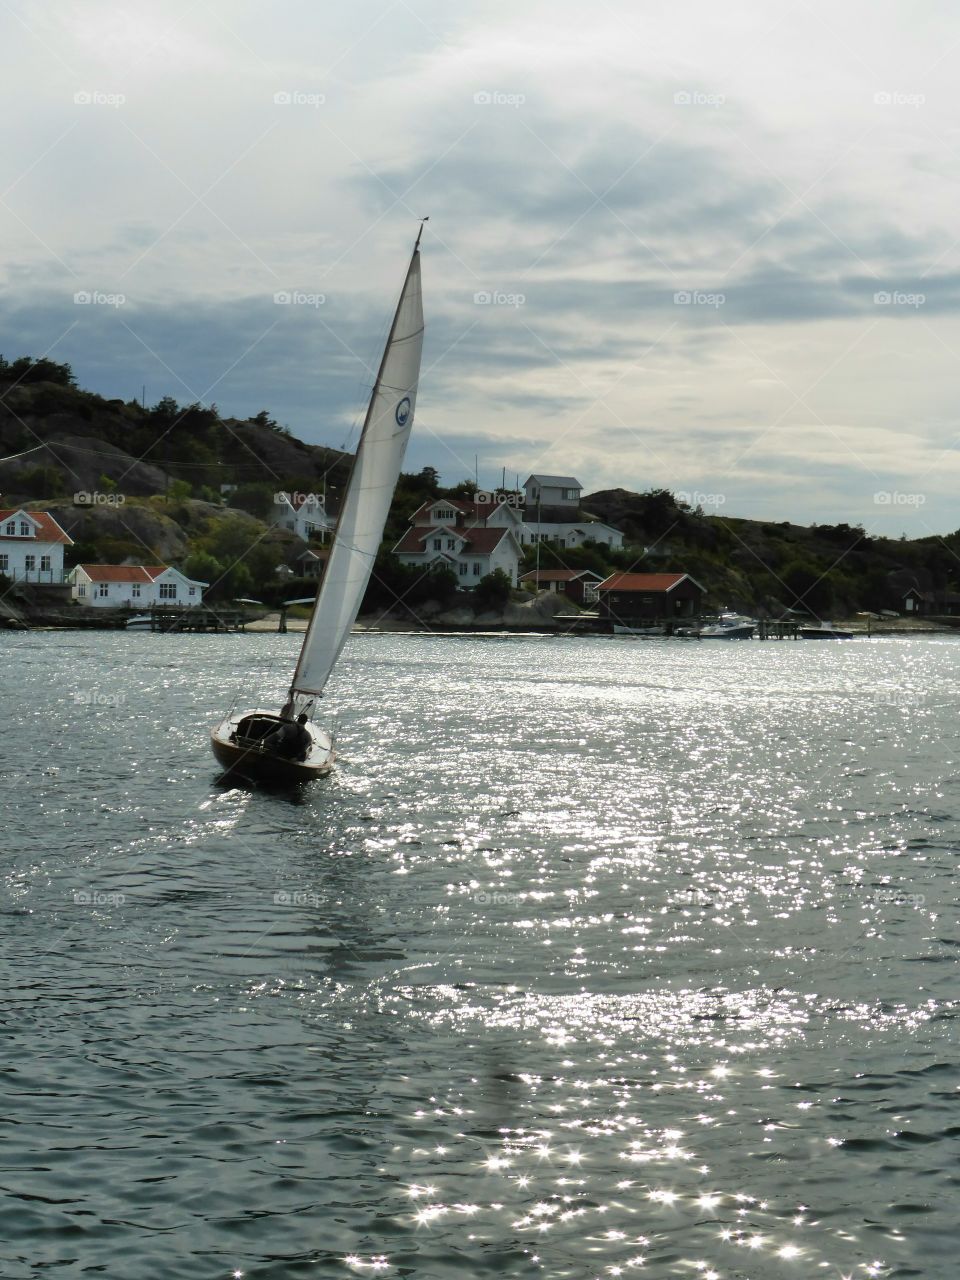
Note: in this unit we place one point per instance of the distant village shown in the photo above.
(476, 538)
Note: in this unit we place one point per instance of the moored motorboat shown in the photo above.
(825, 631)
(729, 626)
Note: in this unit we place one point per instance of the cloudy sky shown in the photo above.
(708, 247)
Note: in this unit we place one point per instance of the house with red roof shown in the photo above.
(133, 586)
(626, 599)
(32, 546)
(470, 538)
(579, 585)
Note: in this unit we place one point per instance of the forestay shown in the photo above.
(373, 479)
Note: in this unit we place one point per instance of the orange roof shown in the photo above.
(47, 531)
(477, 541)
(123, 572)
(643, 582)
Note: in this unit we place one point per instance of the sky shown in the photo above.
(711, 248)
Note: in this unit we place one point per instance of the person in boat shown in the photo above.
(291, 740)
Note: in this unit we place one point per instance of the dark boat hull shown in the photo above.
(249, 759)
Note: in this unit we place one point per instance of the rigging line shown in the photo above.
(24, 454)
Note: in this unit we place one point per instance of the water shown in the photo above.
(594, 957)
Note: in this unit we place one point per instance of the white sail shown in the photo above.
(366, 505)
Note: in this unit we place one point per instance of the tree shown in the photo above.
(493, 591)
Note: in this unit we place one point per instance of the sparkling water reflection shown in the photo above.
(594, 957)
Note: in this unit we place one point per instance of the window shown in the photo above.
(29, 563)
(193, 591)
(443, 513)
(135, 591)
(437, 544)
(25, 529)
(4, 564)
(571, 495)
(463, 568)
(168, 591)
(11, 528)
(82, 589)
(103, 589)
(46, 564)
(451, 544)
(476, 568)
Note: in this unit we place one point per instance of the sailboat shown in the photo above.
(286, 746)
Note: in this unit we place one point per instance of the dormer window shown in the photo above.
(11, 529)
(25, 529)
(444, 513)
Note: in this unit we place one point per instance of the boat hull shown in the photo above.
(824, 633)
(729, 633)
(246, 757)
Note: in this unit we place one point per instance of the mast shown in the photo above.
(369, 491)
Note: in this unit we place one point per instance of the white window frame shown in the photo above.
(103, 590)
(46, 564)
(168, 591)
(135, 590)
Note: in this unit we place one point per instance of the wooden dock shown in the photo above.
(201, 617)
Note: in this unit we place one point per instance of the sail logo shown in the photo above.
(403, 412)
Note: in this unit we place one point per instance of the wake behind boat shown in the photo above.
(285, 746)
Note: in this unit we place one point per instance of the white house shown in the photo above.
(304, 514)
(553, 491)
(470, 538)
(116, 586)
(552, 514)
(574, 534)
(31, 546)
